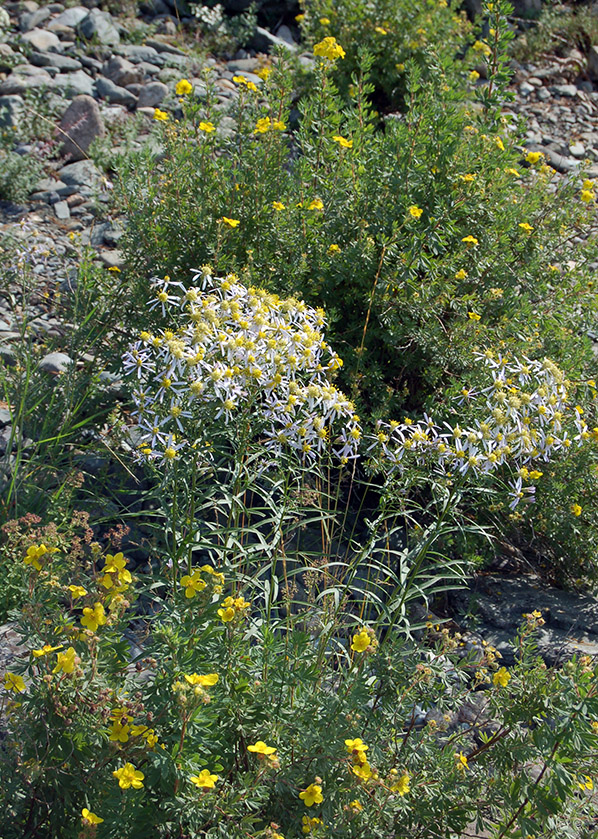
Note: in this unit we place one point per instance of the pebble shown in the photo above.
(55, 362)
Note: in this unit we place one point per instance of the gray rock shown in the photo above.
(593, 63)
(285, 34)
(82, 123)
(61, 210)
(163, 47)
(243, 65)
(263, 41)
(55, 362)
(7, 355)
(83, 172)
(571, 619)
(577, 149)
(525, 88)
(121, 72)
(70, 17)
(75, 84)
(31, 20)
(64, 63)
(11, 111)
(5, 417)
(560, 162)
(113, 93)
(172, 60)
(42, 40)
(152, 95)
(148, 69)
(136, 53)
(99, 26)
(91, 63)
(17, 84)
(569, 91)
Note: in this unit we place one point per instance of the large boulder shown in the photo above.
(100, 27)
(80, 125)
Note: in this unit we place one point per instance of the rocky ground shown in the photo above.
(103, 84)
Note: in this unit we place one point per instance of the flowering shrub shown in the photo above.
(243, 355)
(424, 239)
(192, 723)
(527, 418)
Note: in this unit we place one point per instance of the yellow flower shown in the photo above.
(362, 770)
(260, 748)
(356, 805)
(469, 178)
(278, 125)
(162, 116)
(360, 642)
(325, 21)
(128, 776)
(402, 785)
(312, 795)
(278, 205)
(193, 583)
(535, 474)
(240, 79)
(119, 732)
(501, 677)
(13, 682)
(534, 157)
(230, 222)
(65, 661)
(499, 143)
(115, 269)
(587, 195)
(227, 614)
(37, 552)
(333, 249)
(511, 171)
(90, 817)
(329, 49)
(470, 240)
(45, 650)
(525, 226)
(316, 204)
(183, 87)
(461, 761)
(310, 824)
(207, 127)
(482, 48)
(343, 142)
(575, 509)
(205, 780)
(77, 591)
(356, 745)
(299, 18)
(264, 73)
(205, 681)
(473, 316)
(461, 274)
(414, 211)
(586, 783)
(93, 617)
(380, 30)
(263, 125)
(474, 76)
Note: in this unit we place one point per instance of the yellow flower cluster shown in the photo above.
(37, 553)
(329, 49)
(364, 641)
(233, 608)
(194, 583)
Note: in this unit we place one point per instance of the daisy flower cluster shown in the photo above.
(526, 417)
(243, 357)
